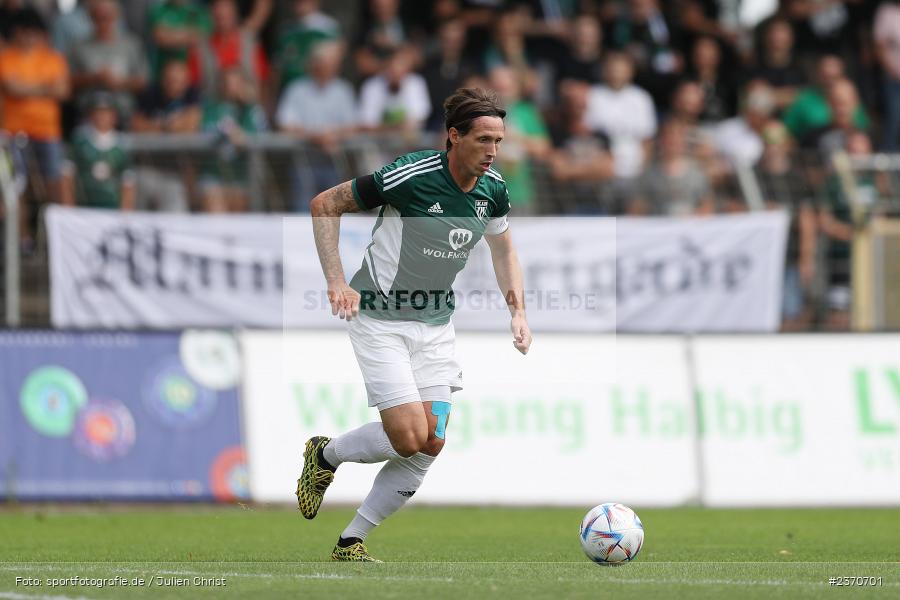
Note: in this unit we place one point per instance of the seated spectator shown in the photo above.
(320, 109)
(446, 69)
(381, 35)
(836, 223)
(395, 100)
(844, 106)
(810, 110)
(507, 47)
(782, 187)
(624, 112)
(582, 61)
(232, 116)
(645, 33)
(104, 178)
(34, 79)
(886, 31)
(309, 27)
(580, 161)
(739, 139)
(526, 140)
(170, 106)
(716, 83)
(777, 65)
(175, 27)
(111, 60)
(674, 185)
(231, 44)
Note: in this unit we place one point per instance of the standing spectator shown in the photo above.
(717, 84)
(175, 27)
(232, 116)
(674, 185)
(625, 113)
(887, 46)
(646, 34)
(582, 61)
(103, 169)
(381, 35)
(396, 99)
(836, 223)
(170, 106)
(526, 140)
(782, 188)
(843, 105)
(309, 27)
(320, 109)
(34, 79)
(777, 64)
(810, 111)
(508, 48)
(580, 161)
(739, 139)
(231, 44)
(111, 60)
(446, 69)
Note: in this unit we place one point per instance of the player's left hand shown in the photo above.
(521, 333)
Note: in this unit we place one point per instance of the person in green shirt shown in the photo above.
(295, 43)
(527, 139)
(103, 168)
(230, 117)
(175, 26)
(810, 111)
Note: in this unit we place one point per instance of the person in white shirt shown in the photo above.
(396, 99)
(625, 113)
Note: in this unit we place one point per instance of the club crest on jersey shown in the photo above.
(459, 238)
(481, 207)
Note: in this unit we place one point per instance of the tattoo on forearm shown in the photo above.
(327, 225)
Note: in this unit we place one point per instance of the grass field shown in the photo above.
(446, 553)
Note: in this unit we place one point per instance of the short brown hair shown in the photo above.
(466, 105)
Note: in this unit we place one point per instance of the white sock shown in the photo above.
(366, 444)
(359, 527)
(395, 484)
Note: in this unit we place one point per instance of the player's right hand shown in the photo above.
(344, 300)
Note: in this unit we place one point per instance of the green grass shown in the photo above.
(448, 553)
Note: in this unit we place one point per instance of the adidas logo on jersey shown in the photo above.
(436, 208)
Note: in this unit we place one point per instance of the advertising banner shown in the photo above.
(578, 421)
(800, 420)
(150, 416)
(133, 270)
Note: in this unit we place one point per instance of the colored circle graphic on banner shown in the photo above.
(228, 475)
(51, 398)
(104, 430)
(176, 398)
(212, 358)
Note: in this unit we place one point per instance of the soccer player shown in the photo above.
(435, 206)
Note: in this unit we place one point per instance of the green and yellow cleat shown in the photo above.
(354, 553)
(314, 479)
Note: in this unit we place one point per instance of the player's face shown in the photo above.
(478, 149)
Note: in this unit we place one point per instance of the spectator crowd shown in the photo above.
(616, 107)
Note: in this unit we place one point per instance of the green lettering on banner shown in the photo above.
(867, 423)
(569, 420)
(317, 402)
(623, 411)
(735, 418)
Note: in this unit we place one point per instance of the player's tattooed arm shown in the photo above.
(326, 210)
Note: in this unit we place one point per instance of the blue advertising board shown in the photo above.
(138, 416)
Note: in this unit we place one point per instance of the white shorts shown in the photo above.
(397, 358)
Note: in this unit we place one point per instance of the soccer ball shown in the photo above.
(611, 534)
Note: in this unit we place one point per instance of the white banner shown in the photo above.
(579, 421)
(800, 420)
(132, 270)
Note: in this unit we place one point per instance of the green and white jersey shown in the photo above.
(425, 230)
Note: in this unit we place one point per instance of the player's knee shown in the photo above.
(409, 441)
(433, 446)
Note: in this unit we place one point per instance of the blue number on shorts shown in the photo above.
(441, 410)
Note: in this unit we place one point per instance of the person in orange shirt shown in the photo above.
(34, 79)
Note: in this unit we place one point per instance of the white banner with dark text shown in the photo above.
(148, 270)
